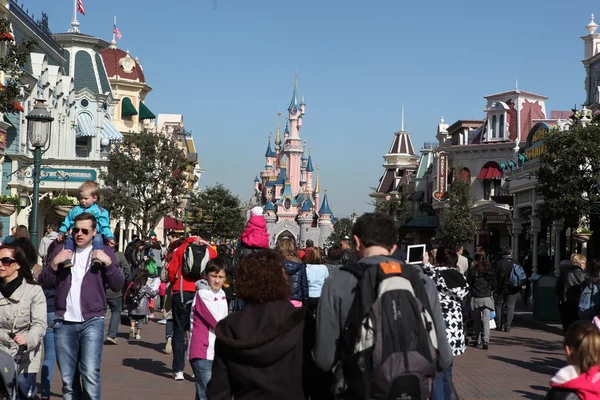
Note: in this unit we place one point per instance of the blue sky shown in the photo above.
(229, 68)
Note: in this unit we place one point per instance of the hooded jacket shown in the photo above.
(568, 384)
(452, 288)
(255, 234)
(297, 273)
(259, 353)
(568, 285)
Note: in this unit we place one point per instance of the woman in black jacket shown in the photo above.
(295, 269)
(481, 279)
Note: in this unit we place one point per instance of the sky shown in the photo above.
(228, 66)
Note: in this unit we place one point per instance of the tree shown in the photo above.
(398, 208)
(146, 175)
(218, 212)
(341, 228)
(457, 225)
(568, 176)
(12, 64)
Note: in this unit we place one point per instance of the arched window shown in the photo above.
(464, 175)
(493, 127)
(501, 127)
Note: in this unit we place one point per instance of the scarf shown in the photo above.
(8, 289)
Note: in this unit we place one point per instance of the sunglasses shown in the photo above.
(7, 261)
(82, 230)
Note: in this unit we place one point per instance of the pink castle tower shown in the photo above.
(293, 143)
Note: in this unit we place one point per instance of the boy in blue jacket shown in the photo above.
(88, 196)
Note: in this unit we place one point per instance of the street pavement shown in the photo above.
(518, 365)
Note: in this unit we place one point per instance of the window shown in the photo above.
(493, 127)
(82, 147)
(501, 127)
(491, 187)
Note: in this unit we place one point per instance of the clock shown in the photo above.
(294, 110)
(128, 64)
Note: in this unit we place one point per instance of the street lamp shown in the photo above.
(39, 124)
(186, 199)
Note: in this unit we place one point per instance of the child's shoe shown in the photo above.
(96, 263)
(67, 264)
(131, 333)
(138, 337)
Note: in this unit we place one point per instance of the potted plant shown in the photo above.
(582, 235)
(63, 204)
(9, 204)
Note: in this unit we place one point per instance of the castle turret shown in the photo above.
(270, 156)
(304, 219)
(256, 184)
(293, 144)
(325, 225)
(309, 174)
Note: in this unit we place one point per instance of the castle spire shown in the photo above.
(278, 134)
(402, 127)
(305, 153)
(317, 187)
(294, 102)
(270, 152)
(325, 209)
(309, 165)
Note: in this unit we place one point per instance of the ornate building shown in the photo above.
(284, 188)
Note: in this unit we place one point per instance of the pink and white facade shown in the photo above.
(284, 188)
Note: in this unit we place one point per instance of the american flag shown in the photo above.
(80, 7)
(117, 32)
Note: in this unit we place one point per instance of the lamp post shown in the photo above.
(186, 199)
(39, 124)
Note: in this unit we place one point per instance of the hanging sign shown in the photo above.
(442, 176)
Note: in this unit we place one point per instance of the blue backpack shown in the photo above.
(517, 276)
(589, 300)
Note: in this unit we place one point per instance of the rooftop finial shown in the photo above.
(77, 7)
(113, 42)
(402, 128)
(592, 26)
(317, 187)
(517, 85)
(442, 120)
(278, 133)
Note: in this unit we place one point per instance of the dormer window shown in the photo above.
(496, 126)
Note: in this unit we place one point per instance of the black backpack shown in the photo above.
(389, 342)
(195, 258)
(133, 297)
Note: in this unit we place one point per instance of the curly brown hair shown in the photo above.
(260, 278)
(287, 248)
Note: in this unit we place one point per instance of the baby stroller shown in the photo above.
(8, 376)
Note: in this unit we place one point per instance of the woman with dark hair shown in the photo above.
(295, 269)
(22, 316)
(21, 232)
(482, 280)
(452, 289)
(333, 260)
(259, 350)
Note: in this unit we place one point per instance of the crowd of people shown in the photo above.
(355, 320)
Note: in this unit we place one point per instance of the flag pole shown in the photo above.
(113, 42)
(74, 22)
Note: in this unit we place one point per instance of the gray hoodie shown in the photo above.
(336, 299)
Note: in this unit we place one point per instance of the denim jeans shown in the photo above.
(79, 348)
(505, 309)
(442, 390)
(27, 387)
(116, 306)
(49, 357)
(97, 243)
(181, 323)
(169, 329)
(202, 370)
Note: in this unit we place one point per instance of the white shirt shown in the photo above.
(81, 265)
(463, 264)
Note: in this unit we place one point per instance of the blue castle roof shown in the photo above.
(287, 193)
(294, 102)
(280, 179)
(306, 206)
(287, 129)
(256, 180)
(269, 206)
(309, 165)
(325, 207)
(270, 152)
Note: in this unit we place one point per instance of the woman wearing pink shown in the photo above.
(254, 238)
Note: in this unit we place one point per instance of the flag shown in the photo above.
(117, 32)
(80, 7)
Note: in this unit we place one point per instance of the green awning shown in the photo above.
(127, 108)
(145, 113)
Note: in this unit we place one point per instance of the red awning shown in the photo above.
(173, 224)
(491, 170)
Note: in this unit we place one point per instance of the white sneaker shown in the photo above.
(179, 376)
(169, 346)
(138, 337)
(162, 322)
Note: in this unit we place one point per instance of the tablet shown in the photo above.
(415, 253)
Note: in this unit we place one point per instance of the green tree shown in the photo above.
(341, 228)
(568, 176)
(146, 175)
(457, 225)
(12, 64)
(217, 211)
(397, 208)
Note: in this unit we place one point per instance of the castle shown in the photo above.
(292, 205)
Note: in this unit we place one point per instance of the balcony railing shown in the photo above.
(82, 152)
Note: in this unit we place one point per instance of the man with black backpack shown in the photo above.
(505, 297)
(185, 268)
(379, 322)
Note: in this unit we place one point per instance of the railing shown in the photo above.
(82, 152)
(40, 28)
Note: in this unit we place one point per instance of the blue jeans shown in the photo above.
(49, 357)
(79, 349)
(27, 386)
(169, 329)
(181, 323)
(116, 306)
(202, 370)
(441, 386)
(97, 243)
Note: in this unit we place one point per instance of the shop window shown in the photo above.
(82, 146)
(491, 187)
(501, 127)
(493, 127)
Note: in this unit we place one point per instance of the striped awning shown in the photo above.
(85, 125)
(110, 132)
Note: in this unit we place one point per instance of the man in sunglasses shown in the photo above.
(80, 307)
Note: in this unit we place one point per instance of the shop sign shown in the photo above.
(442, 176)
(497, 218)
(537, 147)
(70, 175)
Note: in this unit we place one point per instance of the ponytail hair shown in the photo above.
(583, 341)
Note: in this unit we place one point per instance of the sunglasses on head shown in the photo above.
(7, 261)
(82, 230)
